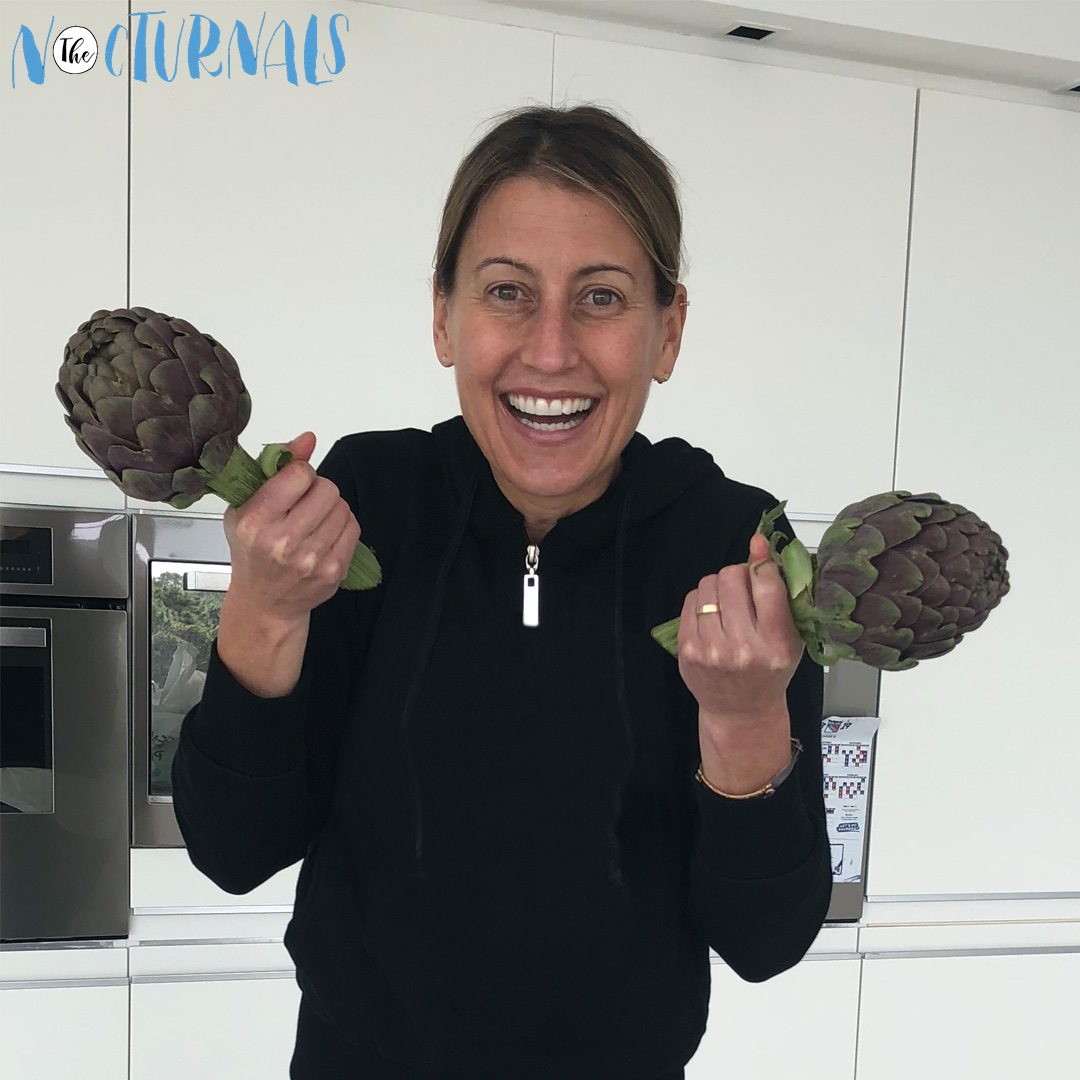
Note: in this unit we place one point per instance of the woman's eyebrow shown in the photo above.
(517, 264)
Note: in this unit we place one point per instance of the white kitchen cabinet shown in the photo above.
(62, 225)
(992, 1017)
(802, 1022)
(64, 1011)
(163, 879)
(298, 224)
(969, 796)
(63, 1032)
(217, 1027)
(795, 188)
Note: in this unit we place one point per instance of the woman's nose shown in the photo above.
(550, 343)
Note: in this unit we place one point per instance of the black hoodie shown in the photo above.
(510, 872)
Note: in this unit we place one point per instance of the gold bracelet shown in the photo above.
(762, 792)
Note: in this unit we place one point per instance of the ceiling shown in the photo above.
(1028, 43)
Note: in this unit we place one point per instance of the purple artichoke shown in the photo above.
(902, 578)
(159, 405)
(897, 578)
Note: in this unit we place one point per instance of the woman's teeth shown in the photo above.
(554, 407)
(559, 426)
(534, 412)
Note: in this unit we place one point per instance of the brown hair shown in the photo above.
(581, 148)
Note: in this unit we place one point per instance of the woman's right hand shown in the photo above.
(291, 542)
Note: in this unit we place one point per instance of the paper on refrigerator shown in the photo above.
(846, 748)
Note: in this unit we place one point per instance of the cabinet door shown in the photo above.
(970, 794)
(227, 1027)
(802, 1022)
(297, 224)
(62, 1032)
(795, 187)
(994, 1017)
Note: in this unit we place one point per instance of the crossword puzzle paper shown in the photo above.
(846, 746)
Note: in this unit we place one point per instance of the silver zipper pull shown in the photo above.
(530, 601)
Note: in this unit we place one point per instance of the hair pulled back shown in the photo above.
(580, 148)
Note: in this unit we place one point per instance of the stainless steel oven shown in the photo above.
(64, 587)
(180, 571)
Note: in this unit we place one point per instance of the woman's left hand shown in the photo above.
(738, 662)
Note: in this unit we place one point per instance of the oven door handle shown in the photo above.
(207, 580)
(23, 637)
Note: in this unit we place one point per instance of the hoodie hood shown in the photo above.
(653, 477)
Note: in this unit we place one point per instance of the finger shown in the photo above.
(771, 603)
(703, 632)
(759, 548)
(689, 638)
(708, 623)
(312, 555)
(280, 493)
(312, 509)
(735, 599)
(344, 546)
(303, 446)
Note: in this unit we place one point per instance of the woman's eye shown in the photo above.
(604, 292)
(500, 293)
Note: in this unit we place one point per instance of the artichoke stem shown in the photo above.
(364, 571)
(240, 478)
(243, 476)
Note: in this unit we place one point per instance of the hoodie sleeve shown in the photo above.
(253, 777)
(761, 873)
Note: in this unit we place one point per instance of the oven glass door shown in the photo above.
(26, 716)
(185, 605)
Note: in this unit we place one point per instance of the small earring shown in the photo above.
(662, 378)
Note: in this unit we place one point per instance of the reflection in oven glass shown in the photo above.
(26, 742)
(183, 624)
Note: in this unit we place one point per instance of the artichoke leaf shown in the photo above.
(802, 608)
(769, 518)
(873, 504)
(838, 534)
(796, 568)
(182, 501)
(190, 481)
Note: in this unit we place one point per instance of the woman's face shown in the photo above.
(553, 299)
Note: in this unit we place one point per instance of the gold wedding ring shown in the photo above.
(706, 609)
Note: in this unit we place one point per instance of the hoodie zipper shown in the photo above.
(530, 598)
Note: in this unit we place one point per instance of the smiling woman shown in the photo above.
(513, 863)
(556, 293)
